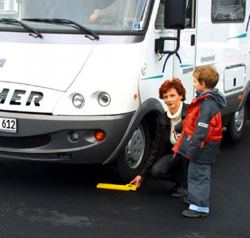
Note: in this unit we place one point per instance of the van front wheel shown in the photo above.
(133, 158)
(237, 124)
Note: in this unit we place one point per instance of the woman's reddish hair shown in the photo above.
(174, 83)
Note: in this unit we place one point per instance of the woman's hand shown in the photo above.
(137, 181)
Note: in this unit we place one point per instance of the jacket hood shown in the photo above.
(216, 95)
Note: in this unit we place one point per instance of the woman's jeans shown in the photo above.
(171, 169)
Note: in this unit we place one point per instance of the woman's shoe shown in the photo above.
(185, 200)
(179, 192)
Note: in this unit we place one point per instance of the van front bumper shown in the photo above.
(63, 138)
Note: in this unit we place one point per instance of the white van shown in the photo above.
(79, 79)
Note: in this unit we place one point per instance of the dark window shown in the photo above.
(228, 10)
(190, 15)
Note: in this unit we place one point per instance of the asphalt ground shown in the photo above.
(61, 201)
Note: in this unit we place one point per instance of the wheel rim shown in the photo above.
(239, 118)
(135, 148)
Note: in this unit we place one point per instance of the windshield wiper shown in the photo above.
(13, 21)
(67, 22)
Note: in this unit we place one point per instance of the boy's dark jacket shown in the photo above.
(161, 143)
(202, 128)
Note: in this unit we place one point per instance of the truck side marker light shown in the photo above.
(240, 97)
(110, 186)
(135, 96)
(99, 135)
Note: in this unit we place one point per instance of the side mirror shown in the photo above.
(161, 45)
(175, 14)
(174, 18)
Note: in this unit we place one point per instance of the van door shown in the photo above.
(159, 67)
(182, 63)
(184, 60)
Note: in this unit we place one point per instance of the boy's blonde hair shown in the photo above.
(208, 75)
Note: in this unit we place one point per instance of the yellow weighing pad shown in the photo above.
(127, 187)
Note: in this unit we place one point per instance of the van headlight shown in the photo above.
(78, 100)
(104, 99)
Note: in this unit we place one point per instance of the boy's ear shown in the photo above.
(203, 84)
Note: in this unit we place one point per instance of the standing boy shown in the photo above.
(200, 139)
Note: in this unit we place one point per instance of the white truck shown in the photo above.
(79, 79)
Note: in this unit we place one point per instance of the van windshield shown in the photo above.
(97, 15)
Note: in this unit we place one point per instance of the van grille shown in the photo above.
(24, 142)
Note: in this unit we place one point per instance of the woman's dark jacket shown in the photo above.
(161, 144)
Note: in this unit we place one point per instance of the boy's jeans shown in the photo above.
(199, 186)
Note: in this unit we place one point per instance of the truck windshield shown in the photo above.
(97, 15)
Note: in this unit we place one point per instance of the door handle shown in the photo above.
(192, 40)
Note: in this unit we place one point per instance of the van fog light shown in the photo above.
(104, 99)
(78, 100)
(73, 137)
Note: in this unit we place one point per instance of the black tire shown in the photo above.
(237, 124)
(132, 159)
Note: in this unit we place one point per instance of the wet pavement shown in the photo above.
(54, 200)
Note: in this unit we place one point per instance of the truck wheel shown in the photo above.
(237, 124)
(136, 152)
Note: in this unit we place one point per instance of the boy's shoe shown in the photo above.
(179, 192)
(194, 214)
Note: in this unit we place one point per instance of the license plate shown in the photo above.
(8, 125)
